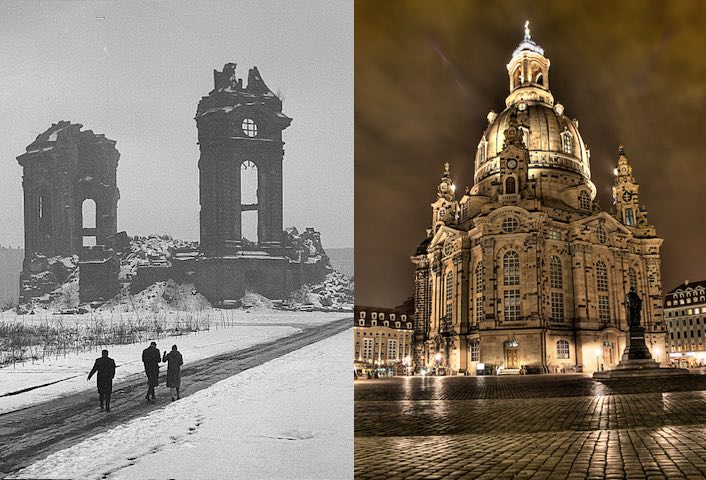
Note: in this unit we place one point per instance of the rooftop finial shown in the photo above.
(527, 30)
(446, 169)
(621, 150)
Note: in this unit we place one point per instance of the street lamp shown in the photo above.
(437, 357)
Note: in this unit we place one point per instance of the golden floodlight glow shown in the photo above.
(453, 188)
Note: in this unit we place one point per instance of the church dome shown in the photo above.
(552, 138)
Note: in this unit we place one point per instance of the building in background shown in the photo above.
(525, 272)
(383, 340)
(685, 316)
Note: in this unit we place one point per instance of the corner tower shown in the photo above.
(240, 167)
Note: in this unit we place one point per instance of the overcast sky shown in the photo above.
(428, 73)
(136, 71)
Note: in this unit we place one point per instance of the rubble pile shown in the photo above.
(50, 283)
(334, 294)
(154, 251)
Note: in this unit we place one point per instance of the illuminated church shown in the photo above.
(524, 273)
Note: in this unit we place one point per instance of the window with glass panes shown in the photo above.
(511, 268)
(557, 305)
(511, 302)
(562, 349)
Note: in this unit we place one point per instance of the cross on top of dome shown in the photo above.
(527, 43)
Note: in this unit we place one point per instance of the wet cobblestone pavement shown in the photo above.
(538, 427)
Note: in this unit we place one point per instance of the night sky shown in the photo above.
(428, 73)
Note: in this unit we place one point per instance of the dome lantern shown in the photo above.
(529, 73)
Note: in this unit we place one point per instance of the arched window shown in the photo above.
(510, 185)
(562, 349)
(584, 200)
(483, 151)
(479, 292)
(540, 79)
(632, 279)
(602, 287)
(511, 268)
(449, 293)
(88, 217)
(249, 201)
(629, 217)
(517, 77)
(555, 273)
(567, 142)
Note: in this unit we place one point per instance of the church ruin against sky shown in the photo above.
(525, 270)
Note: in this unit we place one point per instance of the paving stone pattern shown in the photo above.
(534, 427)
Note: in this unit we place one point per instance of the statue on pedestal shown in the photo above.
(633, 303)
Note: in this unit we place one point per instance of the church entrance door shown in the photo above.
(511, 360)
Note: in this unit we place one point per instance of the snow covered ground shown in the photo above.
(243, 330)
(290, 418)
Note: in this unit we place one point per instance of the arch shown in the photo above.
(517, 79)
(539, 79)
(567, 142)
(584, 200)
(510, 186)
(511, 268)
(88, 223)
(249, 202)
(629, 217)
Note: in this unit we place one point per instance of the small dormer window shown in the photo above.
(374, 323)
(249, 127)
(409, 325)
(361, 322)
(362, 314)
(397, 324)
(374, 315)
(381, 316)
(404, 317)
(567, 142)
(386, 324)
(392, 316)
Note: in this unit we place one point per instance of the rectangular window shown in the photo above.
(603, 308)
(475, 351)
(562, 349)
(479, 309)
(557, 306)
(511, 301)
(368, 348)
(392, 349)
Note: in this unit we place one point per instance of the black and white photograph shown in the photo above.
(176, 239)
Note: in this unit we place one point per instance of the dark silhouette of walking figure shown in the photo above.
(174, 362)
(105, 367)
(151, 359)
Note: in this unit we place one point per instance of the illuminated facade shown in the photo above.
(685, 314)
(383, 339)
(524, 269)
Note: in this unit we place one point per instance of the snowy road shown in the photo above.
(33, 433)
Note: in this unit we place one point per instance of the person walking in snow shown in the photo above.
(105, 367)
(151, 359)
(174, 362)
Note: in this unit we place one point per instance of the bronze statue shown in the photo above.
(633, 303)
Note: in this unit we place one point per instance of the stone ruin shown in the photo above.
(70, 209)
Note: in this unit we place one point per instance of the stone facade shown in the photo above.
(240, 133)
(685, 314)
(69, 173)
(525, 271)
(383, 339)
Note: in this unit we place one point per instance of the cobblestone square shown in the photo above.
(530, 427)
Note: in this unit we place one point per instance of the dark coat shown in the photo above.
(151, 359)
(105, 367)
(174, 362)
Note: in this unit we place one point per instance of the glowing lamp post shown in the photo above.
(437, 357)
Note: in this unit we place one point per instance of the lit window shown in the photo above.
(475, 351)
(558, 306)
(368, 348)
(509, 224)
(511, 268)
(392, 349)
(554, 235)
(511, 302)
(449, 293)
(562, 349)
(567, 142)
(479, 277)
(249, 127)
(584, 200)
(483, 151)
(555, 273)
(603, 308)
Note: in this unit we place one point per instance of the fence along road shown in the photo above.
(35, 432)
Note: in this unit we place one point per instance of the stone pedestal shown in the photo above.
(637, 361)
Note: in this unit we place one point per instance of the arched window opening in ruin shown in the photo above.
(88, 222)
(41, 207)
(249, 201)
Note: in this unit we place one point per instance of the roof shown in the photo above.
(686, 285)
